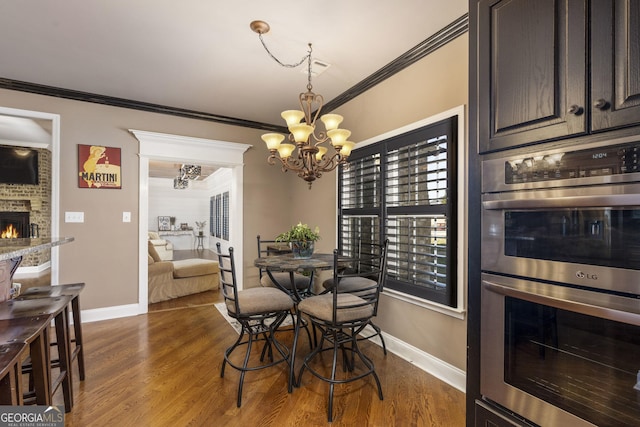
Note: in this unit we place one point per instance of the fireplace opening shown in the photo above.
(14, 225)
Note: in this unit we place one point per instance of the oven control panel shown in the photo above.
(593, 162)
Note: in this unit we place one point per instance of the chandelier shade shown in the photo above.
(306, 150)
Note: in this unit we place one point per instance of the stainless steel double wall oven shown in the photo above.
(561, 284)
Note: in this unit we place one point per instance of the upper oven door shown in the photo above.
(588, 236)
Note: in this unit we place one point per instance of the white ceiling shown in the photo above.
(163, 169)
(201, 55)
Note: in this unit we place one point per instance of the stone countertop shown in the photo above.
(289, 263)
(12, 248)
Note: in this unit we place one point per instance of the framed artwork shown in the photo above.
(99, 167)
(164, 223)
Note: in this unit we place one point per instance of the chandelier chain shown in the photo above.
(297, 64)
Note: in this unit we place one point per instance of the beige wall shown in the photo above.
(435, 84)
(104, 254)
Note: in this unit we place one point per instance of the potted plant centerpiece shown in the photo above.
(301, 238)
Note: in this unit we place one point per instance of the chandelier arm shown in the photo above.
(330, 163)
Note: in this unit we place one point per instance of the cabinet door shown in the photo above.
(531, 71)
(615, 62)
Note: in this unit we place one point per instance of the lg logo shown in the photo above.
(582, 275)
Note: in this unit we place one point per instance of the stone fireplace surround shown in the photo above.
(36, 200)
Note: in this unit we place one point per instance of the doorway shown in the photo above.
(158, 146)
(38, 130)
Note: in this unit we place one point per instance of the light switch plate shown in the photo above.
(74, 217)
(126, 216)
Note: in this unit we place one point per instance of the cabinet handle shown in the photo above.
(575, 109)
(601, 104)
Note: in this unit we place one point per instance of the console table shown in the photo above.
(11, 253)
(182, 239)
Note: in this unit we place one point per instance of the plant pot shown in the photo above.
(302, 249)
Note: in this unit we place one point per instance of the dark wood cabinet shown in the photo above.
(553, 69)
(615, 64)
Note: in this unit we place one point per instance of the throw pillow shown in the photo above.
(154, 253)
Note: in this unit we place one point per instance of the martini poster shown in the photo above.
(98, 167)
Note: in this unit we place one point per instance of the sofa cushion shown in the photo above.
(153, 252)
(194, 267)
(150, 260)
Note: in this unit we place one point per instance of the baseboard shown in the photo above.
(108, 313)
(32, 270)
(440, 369)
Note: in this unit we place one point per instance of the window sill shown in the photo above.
(429, 305)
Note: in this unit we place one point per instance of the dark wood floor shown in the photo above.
(163, 369)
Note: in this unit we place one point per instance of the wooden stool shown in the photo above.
(46, 309)
(11, 356)
(72, 290)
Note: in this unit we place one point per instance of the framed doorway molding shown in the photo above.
(178, 148)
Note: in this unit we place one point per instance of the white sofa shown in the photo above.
(163, 247)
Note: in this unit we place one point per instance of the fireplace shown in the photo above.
(14, 225)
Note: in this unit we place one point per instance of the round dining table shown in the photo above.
(287, 263)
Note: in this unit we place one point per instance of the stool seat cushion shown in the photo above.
(321, 307)
(260, 300)
(350, 284)
(194, 267)
(301, 281)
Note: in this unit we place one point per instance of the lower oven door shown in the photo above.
(560, 356)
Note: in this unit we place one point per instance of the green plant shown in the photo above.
(301, 233)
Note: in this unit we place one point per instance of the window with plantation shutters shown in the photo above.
(403, 189)
(225, 215)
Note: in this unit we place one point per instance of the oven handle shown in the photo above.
(612, 307)
(564, 202)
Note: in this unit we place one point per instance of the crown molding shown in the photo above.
(439, 39)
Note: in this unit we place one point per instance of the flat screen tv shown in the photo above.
(18, 165)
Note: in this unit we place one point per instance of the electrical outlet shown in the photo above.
(74, 217)
(126, 216)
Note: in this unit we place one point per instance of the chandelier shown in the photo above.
(190, 171)
(312, 158)
(186, 173)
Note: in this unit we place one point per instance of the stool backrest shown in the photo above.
(370, 265)
(228, 280)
